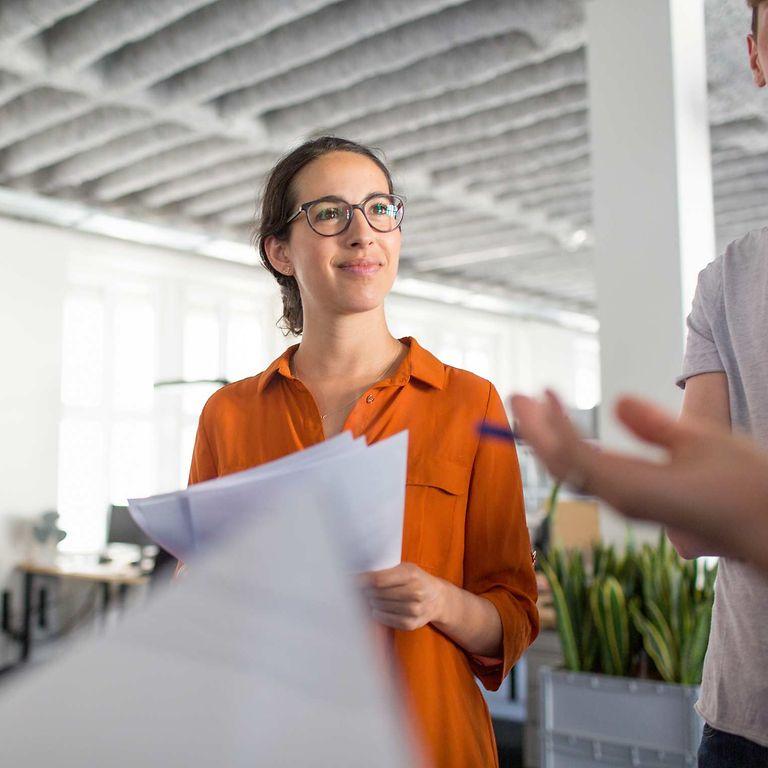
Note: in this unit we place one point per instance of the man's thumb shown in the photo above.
(647, 421)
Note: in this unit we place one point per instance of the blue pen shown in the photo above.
(501, 433)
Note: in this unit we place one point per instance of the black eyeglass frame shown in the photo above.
(304, 208)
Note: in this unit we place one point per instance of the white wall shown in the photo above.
(32, 285)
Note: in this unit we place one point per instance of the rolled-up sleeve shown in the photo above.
(497, 557)
(701, 354)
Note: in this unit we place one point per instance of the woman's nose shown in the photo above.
(360, 231)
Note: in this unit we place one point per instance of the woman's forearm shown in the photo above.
(472, 622)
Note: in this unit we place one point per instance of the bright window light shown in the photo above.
(83, 351)
(82, 480)
(134, 355)
(245, 352)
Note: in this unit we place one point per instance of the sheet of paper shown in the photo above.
(165, 517)
(339, 445)
(361, 492)
(361, 488)
(258, 657)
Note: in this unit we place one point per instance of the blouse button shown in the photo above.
(369, 399)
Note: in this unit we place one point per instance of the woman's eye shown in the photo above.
(382, 209)
(328, 214)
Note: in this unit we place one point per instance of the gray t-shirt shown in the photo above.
(728, 331)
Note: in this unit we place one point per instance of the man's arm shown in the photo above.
(705, 403)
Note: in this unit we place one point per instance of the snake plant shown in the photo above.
(620, 611)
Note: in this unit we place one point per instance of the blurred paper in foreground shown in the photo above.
(258, 657)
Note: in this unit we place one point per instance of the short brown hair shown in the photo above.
(754, 4)
(278, 204)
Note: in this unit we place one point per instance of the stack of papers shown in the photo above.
(259, 656)
(360, 488)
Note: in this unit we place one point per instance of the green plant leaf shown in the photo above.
(564, 621)
(654, 645)
(692, 662)
(616, 625)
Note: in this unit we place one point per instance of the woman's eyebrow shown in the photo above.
(329, 197)
(343, 200)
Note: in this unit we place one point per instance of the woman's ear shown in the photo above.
(277, 253)
(754, 62)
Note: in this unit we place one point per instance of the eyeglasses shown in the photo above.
(330, 216)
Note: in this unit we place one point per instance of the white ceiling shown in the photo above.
(170, 112)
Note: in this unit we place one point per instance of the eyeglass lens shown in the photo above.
(329, 217)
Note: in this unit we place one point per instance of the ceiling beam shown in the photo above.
(21, 19)
(108, 25)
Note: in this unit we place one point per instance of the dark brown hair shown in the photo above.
(279, 203)
(754, 4)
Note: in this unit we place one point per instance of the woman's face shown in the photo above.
(348, 273)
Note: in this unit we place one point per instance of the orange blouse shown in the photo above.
(464, 518)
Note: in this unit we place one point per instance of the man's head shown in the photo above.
(757, 41)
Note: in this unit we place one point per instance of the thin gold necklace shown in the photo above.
(390, 365)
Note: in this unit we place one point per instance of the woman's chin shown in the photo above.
(360, 302)
(364, 297)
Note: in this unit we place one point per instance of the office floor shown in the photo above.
(509, 739)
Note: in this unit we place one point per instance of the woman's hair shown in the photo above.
(754, 4)
(279, 203)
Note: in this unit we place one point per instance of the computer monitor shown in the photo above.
(123, 529)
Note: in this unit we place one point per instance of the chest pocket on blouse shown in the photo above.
(435, 502)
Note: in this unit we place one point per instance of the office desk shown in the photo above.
(109, 576)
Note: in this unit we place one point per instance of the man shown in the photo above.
(711, 483)
(725, 377)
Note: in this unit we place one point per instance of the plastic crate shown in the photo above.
(596, 721)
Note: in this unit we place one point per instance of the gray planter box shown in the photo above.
(594, 721)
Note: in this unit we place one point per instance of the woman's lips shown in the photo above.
(361, 268)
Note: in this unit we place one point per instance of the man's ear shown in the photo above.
(277, 253)
(758, 72)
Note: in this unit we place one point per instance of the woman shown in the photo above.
(462, 603)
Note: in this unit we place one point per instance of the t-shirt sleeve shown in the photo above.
(497, 551)
(701, 353)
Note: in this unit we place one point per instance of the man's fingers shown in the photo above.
(533, 425)
(548, 430)
(558, 418)
(648, 421)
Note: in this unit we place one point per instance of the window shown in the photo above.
(122, 331)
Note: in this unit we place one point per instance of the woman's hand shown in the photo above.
(404, 597)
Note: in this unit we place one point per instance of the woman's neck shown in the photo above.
(352, 346)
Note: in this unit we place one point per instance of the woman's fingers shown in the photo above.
(391, 577)
(398, 607)
(396, 621)
(406, 592)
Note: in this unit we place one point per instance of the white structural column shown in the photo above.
(653, 210)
